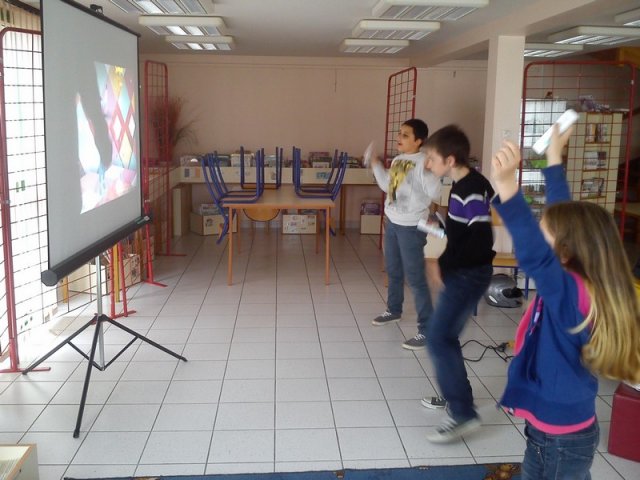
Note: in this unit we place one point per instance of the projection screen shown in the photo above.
(92, 134)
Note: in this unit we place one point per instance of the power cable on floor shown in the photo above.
(500, 350)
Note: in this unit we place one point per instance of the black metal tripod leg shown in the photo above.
(85, 388)
(144, 339)
(59, 346)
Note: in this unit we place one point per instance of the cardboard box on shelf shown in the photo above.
(299, 224)
(84, 279)
(208, 209)
(370, 207)
(370, 224)
(132, 269)
(209, 224)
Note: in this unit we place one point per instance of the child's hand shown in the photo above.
(557, 143)
(504, 164)
(369, 158)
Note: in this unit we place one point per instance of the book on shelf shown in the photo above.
(595, 160)
(596, 133)
(592, 187)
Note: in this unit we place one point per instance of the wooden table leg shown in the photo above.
(327, 235)
(230, 263)
(318, 231)
(343, 207)
(238, 213)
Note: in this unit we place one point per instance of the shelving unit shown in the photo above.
(537, 117)
(591, 160)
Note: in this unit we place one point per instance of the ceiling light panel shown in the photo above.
(149, 7)
(126, 5)
(549, 50)
(181, 21)
(372, 45)
(591, 35)
(394, 29)
(445, 10)
(170, 6)
(203, 42)
(630, 18)
(161, 6)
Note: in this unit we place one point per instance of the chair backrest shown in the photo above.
(209, 169)
(342, 169)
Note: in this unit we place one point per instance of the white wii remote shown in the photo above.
(368, 153)
(567, 119)
(431, 229)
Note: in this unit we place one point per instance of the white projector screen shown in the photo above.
(92, 134)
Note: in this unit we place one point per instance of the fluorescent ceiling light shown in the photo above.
(160, 6)
(630, 18)
(149, 7)
(180, 21)
(372, 45)
(427, 9)
(201, 42)
(590, 35)
(394, 29)
(547, 50)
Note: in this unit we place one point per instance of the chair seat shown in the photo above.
(505, 260)
(262, 214)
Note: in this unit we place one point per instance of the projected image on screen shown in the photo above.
(107, 150)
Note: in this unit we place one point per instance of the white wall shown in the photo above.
(315, 104)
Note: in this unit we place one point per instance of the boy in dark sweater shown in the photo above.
(466, 268)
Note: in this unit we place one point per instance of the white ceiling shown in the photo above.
(316, 28)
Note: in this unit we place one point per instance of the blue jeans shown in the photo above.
(404, 255)
(559, 457)
(463, 288)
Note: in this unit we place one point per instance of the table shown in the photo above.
(282, 198)
(354, 177)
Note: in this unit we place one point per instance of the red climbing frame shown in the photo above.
(401, 106)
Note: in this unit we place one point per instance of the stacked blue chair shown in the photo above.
(330, 189)
(219, 191)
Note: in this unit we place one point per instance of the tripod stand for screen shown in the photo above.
(98, 343)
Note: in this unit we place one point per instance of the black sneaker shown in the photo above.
(386, 318)
(433, 402)
(416, 343)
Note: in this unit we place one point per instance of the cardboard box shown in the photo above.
(209, 224)
(132, 269)
(208, 209)
(19, 462)
(370, 224)
(84, 279)
(299, 224)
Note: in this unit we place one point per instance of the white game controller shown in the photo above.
(368, 153)
(565, 120)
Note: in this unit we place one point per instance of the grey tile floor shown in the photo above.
(285, 373)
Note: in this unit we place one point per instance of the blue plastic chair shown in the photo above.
(333, 184)
(330, 189)
(219, 191)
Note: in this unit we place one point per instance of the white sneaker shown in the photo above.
(450, 430)
(433, 402)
